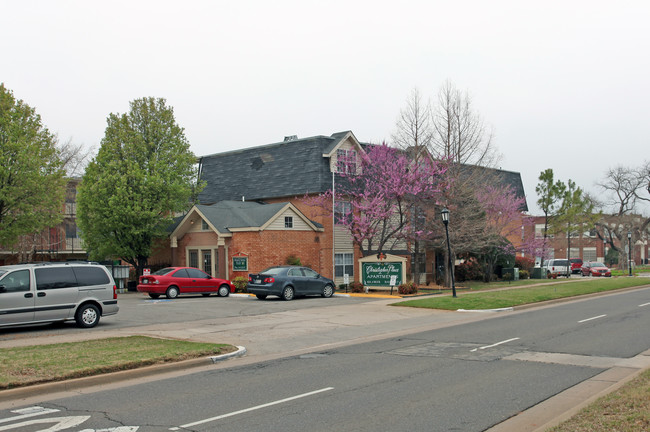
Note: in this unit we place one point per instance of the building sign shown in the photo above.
(240, 263)
(381, 274)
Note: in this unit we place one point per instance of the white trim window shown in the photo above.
(288, 222)
(343, 264)
(342, 212)
(589, 254)
(346, 161)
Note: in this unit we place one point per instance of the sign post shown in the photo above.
(393, 281)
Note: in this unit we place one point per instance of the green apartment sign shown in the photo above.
(379, 274)
(239, 263)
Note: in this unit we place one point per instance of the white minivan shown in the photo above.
(57, 291)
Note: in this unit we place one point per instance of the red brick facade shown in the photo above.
(268, 248)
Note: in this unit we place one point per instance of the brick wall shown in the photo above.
(269, 248)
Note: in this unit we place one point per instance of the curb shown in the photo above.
(506, 309)
(113, 377)
(241, 351)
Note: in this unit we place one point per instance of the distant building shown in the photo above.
(59, 243)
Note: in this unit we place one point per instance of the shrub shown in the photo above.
(469, 270)
(293, 260)
(524, 263)
(240, 283)
(357, 287)
(407, 288)
(523, 274)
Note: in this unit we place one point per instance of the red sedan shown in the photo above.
(595, 269)
(173, 281)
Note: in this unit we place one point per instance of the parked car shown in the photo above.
(595, 269)
(173, 281)
(576, 265)
(557, 267)
(288, 282)
(50, 292)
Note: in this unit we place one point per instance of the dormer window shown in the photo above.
(346, 161)
(288, 221)
(204, 225)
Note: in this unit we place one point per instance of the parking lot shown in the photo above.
(138, 310)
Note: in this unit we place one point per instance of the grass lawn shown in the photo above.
(523, 295)
(625, 410)
(43, 363)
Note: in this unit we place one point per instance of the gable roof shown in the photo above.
(226, 217)
(284, 169)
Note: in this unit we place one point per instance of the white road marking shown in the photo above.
(592, 318)
(61, 423)
(189, 425)
(493, 345)
(644, 304)
(153, 302)
(29, 412)
(115, 429)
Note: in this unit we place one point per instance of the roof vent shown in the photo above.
(290, 138)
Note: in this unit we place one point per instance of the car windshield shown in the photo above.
(596, 264)
(2, 273)
(163, 272)
(273, 270)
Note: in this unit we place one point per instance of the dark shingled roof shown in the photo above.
(224, 215)
(237, 214)
(510, 178)
(286, 169)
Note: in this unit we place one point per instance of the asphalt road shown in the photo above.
(466, 377)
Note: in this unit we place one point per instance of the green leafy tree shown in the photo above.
(576, 212)
(550, 194)
(32, 182)
(143, 174)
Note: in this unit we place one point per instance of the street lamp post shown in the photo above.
(445, 219)
(629, 252)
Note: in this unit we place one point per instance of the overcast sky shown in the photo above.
(564, 84)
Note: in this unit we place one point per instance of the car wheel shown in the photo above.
(154, 296)
(87, 316)
(172, 292)
(328, 290)
(288, 293)
(224, 291)
(260, 296)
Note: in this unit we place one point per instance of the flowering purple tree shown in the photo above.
(384, 188)
(504, 224)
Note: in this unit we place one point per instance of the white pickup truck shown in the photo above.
(557, 267)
